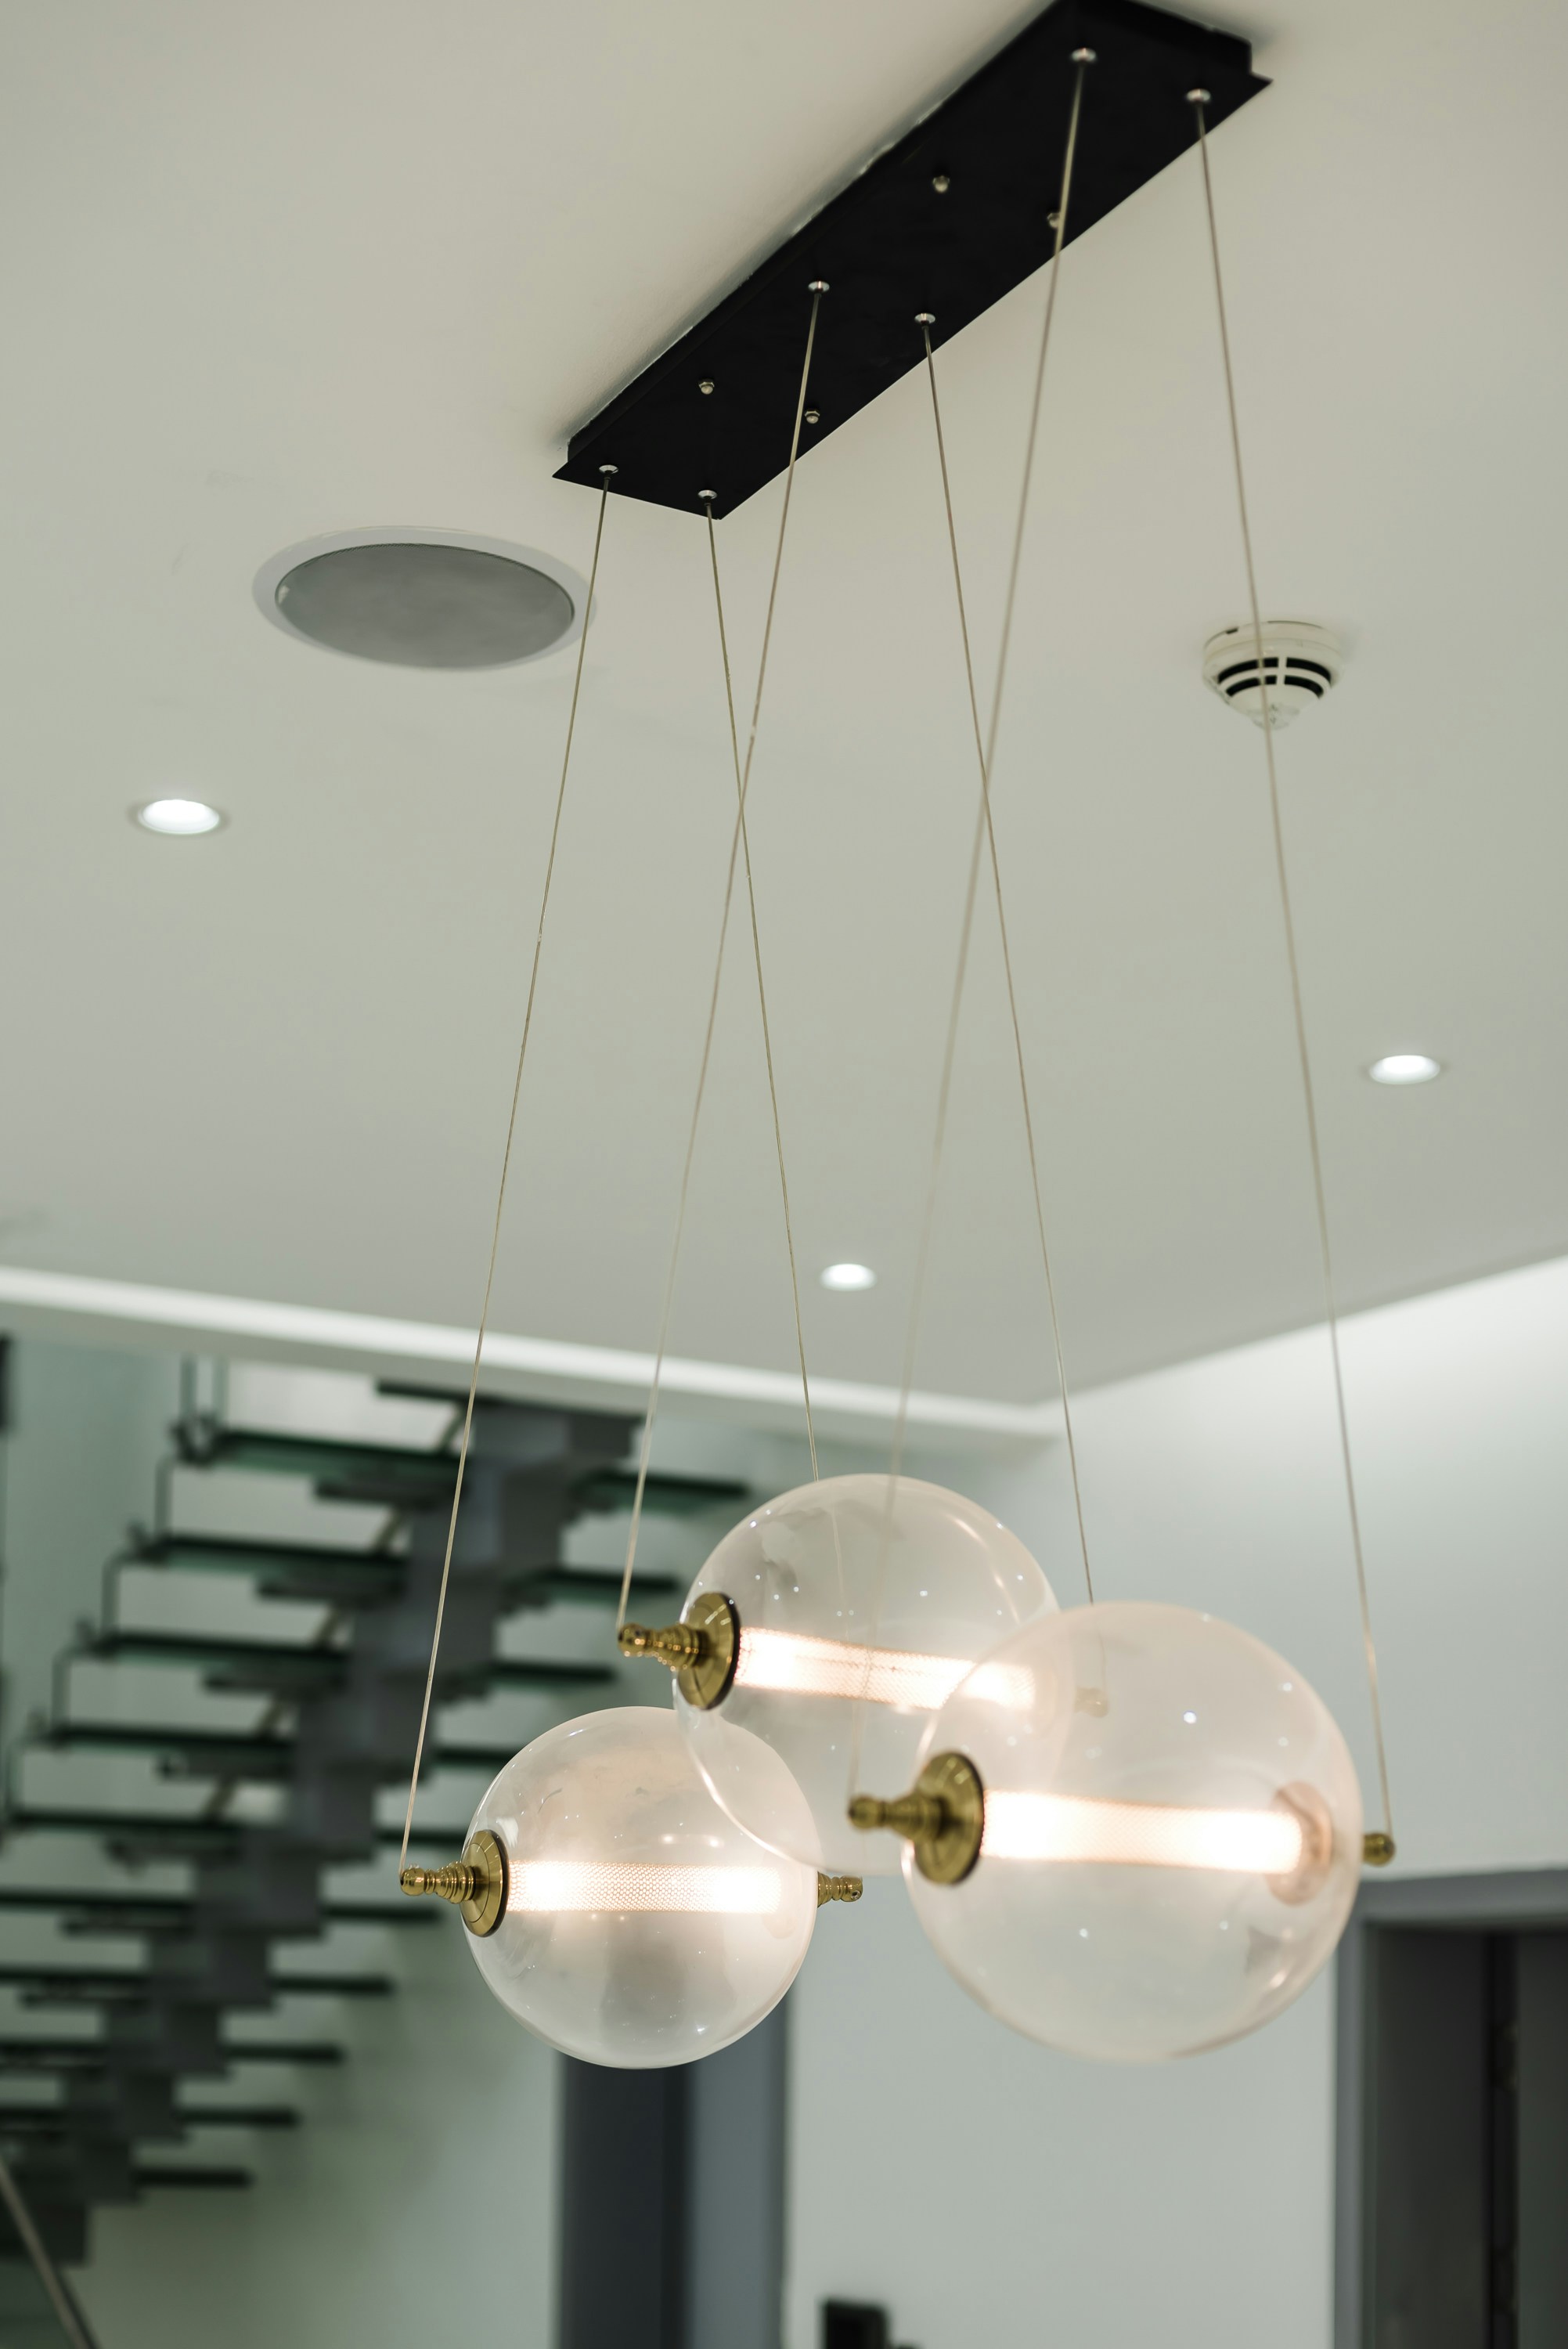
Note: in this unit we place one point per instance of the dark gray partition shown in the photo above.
(1542, 1994)
(673, 2201)
(1452, 2204)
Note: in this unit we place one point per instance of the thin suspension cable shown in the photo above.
(739, 840)
(917, 1298)
(925, 324)
(817, 289)
(665, 1311)
(606, 472)
(742, 784)
(1309, 1099)
(1082, 58)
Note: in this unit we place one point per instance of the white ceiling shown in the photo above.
(269, 273)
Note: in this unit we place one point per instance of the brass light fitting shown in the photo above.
(943, 1818)
(702, 1650)
(1376, 1848)
(837, 1888)
(475, 1885)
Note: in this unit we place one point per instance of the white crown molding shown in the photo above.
(68, 1305)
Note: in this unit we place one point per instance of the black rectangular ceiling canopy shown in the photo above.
(948, 219)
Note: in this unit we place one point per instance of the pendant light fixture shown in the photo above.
(1159, 1848)
(856, 1601)
(1135, 1832)
(853, 1594)
(611, 1905)
(1130, 1830)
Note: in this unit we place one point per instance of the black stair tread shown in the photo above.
(249, 2116)
(285, 1569)
(72, 2121)
(189, 1827)
(611, 1490)
(162, 1908)
(230, 1753)
(104, 2056)
(176, 1911)
(592, 1586)
(333, 1985)
(269, 1756)
(541, 1671)
(456, 1399)
(258, 1661)
(118, 1985)
(275, 1661)
(320, 1457)
(449, 1839)
(545, 1671)
(172, 2174)
(185, 1832)
(282, 2051)
(338, 1571)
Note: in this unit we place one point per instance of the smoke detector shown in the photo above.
(1300, 662)
(423, 598)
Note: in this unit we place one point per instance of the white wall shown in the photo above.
(993, 2192)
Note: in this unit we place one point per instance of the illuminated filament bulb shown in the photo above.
(1146, 1834)
(560, 1887)
(795, 1663)
(1291, 1842)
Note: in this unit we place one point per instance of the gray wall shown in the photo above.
(424, 2177)
(86, 1430)
(417, 2201)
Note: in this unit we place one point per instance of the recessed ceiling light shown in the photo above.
(179, 818)
(849, 1276)
(1405, 1069)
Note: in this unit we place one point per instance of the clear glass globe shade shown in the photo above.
(1172, 1837)
(642, 1926)
(846, 1607)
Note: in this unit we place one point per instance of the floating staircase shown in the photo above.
(259, 1816)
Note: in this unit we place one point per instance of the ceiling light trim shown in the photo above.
(1402, 1070)
(141, 815)
(277, 567)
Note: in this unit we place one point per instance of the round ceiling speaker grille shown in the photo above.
(1301, 662)
(424, 599)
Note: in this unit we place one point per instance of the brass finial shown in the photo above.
(676, 1644)
(455, 1882)
(1376, 1848)
(837, 1888)
(475, 1885)
(701, 1649)
(942, 1816)
(914, 1816)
